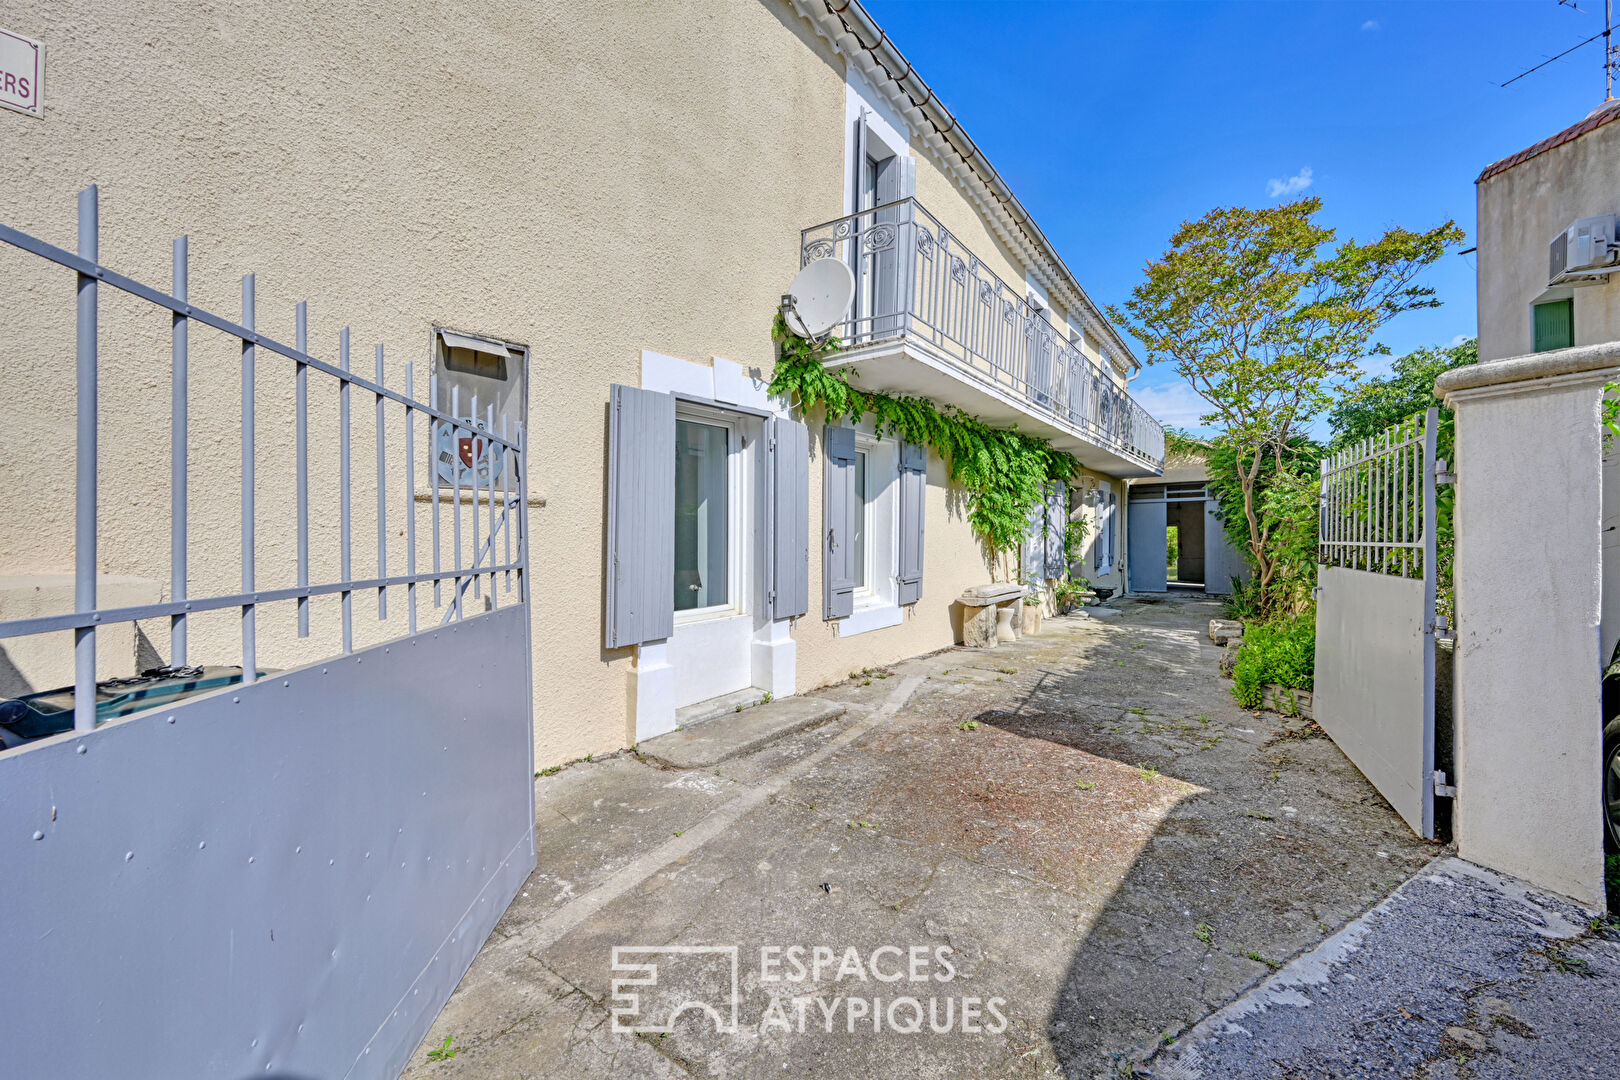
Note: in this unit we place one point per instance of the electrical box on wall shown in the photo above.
(1585, 253)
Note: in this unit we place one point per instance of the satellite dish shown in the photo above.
(818, 298)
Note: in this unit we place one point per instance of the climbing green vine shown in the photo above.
(1005, 473)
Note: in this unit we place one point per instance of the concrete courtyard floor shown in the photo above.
(1065, 852)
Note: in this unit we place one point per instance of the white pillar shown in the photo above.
(1529, 587)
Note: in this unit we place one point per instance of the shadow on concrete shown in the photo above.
(1270, 841)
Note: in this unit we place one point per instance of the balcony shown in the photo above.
(931, 320)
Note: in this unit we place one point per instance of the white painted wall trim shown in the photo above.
(721, 380)
(652, 690)
(874, 616)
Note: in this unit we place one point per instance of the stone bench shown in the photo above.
(991, 614)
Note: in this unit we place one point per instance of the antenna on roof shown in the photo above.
(1611, 51)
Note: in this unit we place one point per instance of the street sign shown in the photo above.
(22, 73)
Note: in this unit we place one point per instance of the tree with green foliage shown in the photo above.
(1268, 321)
(1381, 403)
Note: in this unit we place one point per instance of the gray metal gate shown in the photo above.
(287, 876)
(1375, 619)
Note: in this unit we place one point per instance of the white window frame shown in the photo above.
(737, 513)
(1103, 545)
(876, 604)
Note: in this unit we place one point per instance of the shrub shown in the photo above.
(1281, 652)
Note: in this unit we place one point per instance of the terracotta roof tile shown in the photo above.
(1596, 119)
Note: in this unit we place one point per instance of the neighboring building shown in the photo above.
(1536, 217)
(1205, 560)
(1535, 211)
(587, 214)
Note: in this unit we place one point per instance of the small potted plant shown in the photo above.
(1072, 594)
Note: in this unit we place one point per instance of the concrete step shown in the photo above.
(724, 705)
(725, 735)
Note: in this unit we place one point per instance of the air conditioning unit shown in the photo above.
(1584, 253)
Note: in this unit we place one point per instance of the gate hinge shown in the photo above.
(1443, 473)
(1441, 629)
(1443, 790)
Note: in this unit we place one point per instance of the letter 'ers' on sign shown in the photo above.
(22, 73)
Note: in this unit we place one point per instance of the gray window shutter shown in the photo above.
(838, 523)
(913, 500)
(790, 529)
(1035, 542)
(641, 517)
(908, 177)
(1057, 519)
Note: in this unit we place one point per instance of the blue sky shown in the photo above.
(1114, 122)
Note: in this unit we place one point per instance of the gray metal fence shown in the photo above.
(1376, 621)
(507, 509)
(1378, 501)
(915, 277)
(287, 876)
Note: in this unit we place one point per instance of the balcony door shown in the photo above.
(877, 243)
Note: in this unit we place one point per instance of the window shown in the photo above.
(706, 485)
(474, 376)
(863, 528)
(1102, 549)
(1554, 325)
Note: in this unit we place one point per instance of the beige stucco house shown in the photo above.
(576, 210)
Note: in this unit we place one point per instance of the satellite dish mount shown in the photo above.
(818, 299)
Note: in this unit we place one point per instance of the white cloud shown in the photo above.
(1174, 404)
(1276, 189)
(1370, 24)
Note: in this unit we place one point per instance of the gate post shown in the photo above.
(1529, 585)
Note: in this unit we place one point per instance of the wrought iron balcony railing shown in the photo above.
(914, 278)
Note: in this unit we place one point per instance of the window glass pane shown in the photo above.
(702, 498)
(860, 520)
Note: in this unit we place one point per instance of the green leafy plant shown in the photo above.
(444, 1052)
(1205, 933)
(1006, 474)
(1281, 652)
(968, 725)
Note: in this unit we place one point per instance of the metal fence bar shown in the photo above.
(1431, 580)
(472, 431)
(250, 647)
(455, 491)
(522, 463)
(435, 425)
(85, 467)
(301, 451)
(382, 498)
(179, 425)
(45, 624)
(506, 492)
(410, 499)
(489, 463)
(343, 492)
